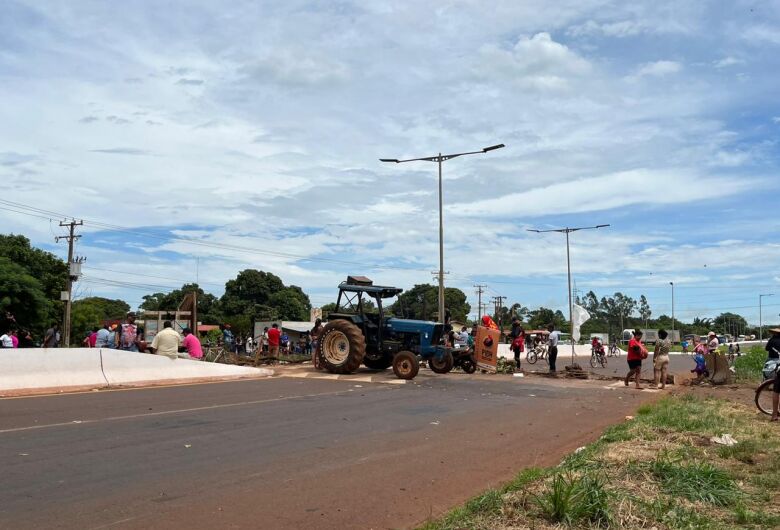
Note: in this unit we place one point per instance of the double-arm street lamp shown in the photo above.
(567, 231)
(439, 159)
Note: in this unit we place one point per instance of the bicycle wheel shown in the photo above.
(531, 357)
(764, 396)
(603, 360)
(593, 361)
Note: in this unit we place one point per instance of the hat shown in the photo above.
(774, 330)
(711, 334)
(131, 314)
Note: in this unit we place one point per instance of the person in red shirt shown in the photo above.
(274, 337)
(636, 352)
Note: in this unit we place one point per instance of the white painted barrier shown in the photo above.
(36, 370)
(128, 368)
(50, 368)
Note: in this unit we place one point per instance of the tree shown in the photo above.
(50, 272)
(422, 302)
(250, 288)
(644, 309)
(730, 323)
(542, 317)
(208, 304)
(22, 296)
(91, 312)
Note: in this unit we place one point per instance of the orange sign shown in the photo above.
(486, 348)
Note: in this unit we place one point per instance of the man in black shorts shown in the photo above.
(773, 352)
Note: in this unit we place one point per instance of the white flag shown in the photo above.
(579, 316)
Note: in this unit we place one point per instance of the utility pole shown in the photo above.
(71, 237)
(567, 231)
(480, 290)
(440, 274)
(498, 301)
(439, 159)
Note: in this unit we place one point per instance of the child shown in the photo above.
(701, 366)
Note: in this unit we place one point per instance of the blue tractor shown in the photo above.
(359, 332)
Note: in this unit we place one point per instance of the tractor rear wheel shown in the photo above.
(405, 365)
(380, 363)
(443, 364)
(342, 347)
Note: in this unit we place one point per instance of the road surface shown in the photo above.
(304, 451)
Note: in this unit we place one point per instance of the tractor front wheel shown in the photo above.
(342, 347)
(443, 364)
(468, 366)
(405, 365)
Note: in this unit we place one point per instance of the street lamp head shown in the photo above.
(601, 226)
(492, 148)
(389, 160)
(671, 283)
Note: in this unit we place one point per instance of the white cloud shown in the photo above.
(760, 34)
(657, 69)
(538, 62)
(727, 61)
(615, 190)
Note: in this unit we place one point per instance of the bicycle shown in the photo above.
(597, 357)
(765, 390)
(536, 353)
(614, 351)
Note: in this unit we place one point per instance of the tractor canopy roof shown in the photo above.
(373, 290)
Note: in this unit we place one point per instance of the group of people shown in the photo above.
(522, 341)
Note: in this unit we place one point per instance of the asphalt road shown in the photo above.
(286, 452)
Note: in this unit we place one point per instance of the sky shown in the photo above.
(198, 139)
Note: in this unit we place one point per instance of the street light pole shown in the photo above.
(439, 159)
(567, 231)
(672, 284)
(761, 316)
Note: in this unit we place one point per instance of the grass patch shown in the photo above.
(658, 470)
(749, 365)
(698, 481)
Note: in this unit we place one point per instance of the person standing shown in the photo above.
(552, 345)
(773, 344)
(228, 341)
(517, 334)
(661, 358)
(192, 344)
(265, 339)
(112, 337)
(315, 334)
(129, 335)
(103, 336)
(712, 342)
(636, 352)
(166, 342)
(26, 339)
(6, 341)
(274, 338)
(51, 339)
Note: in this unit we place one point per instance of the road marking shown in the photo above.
(169, 412)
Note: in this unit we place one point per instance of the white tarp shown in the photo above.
(579, 316)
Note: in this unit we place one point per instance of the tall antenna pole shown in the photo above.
(71, 237)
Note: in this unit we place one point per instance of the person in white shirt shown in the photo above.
(6, 341)
(552, 344)
(166, 342)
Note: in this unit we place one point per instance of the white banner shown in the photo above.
(579, 316)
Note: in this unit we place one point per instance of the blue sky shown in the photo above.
(255, 129)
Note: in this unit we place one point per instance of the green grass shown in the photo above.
(748, 366)
(571, 499)
(697, 481)
(657, 470)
